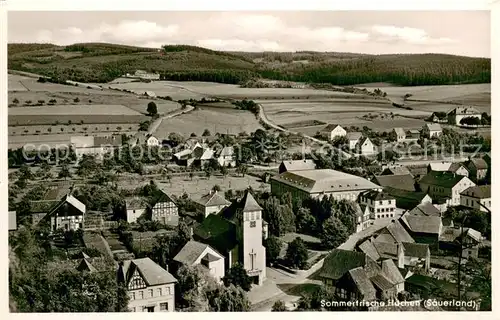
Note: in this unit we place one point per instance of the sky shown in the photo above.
(373, 32)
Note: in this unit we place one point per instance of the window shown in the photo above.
(258, 215)
(141, 294)
(168, 290)
(149, 309)
(390, 201)
(380, 202)
(132, 296)
(252, 224)
(164, 306)
(150, 291)
(159, 292)
(378, 210)
(246, 216)
(253, 215)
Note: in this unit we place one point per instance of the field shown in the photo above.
(222, 120)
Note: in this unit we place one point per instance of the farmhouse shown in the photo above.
(432, 130)
(152, 141)
(425, 209)
(164, 210)
(238, 237)
(151, 288)
(366, 147)
(399, 181)
(453, 167)
(353, 138)
(332, 131)
(400, 134)
(196, 253)
(478, 169)
(477, 197)
(364, 217)
(459, 113)
(439, 117)
(134, 208)
(95, 145)
(412, 135)
(356, 276)
(445, 185)
(227, 157)
(296, 165)
(379, 203)
(212, 203)
(408, 199)
(320, 183)
(450, 239)
(66, 214)
(423, 228)
(393, 170)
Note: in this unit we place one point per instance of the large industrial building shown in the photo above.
(318, 183)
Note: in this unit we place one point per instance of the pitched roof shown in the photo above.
(479, 192)
(455, 166)
(217, 232)
(354, 136)
(433, 126)
(377, 195)
(440, 166)
(363, 283)
(399, 232)
(364, 140)
(330, 127)
(324, 180)
(423, 224)
(82, 141)
(401, 170)
(134, 203)
(151, 272)
(226, 152)
(114, 140)
(418, 250)
(392, 272)
(162, 196)
(400, 131)
(299, 165)
(441, 179)
(12, 220)
(191, 251)
(450, 234)
(85, 265)
(213, 199)
(406, 199)
(369, 249)
(464, 110)
(402, 181)
(211, 258)
(479, 163)
(382, 282)
(386, 249)
(249, 203)
(339, 262)
(425, 209)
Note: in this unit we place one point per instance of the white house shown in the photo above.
(400, 134)
(212, 203)
(457, 114)
(353, 138)
(478, 197)
(432, 130)
(227, 157)
(380, 204)
(197, 253)
(165, 210)
(364, 217)
(68, 214)
(152, 141)
(95, 145)
(151, 288)
(332, 131)
(366, 147)
(135, 208)
(445, 185)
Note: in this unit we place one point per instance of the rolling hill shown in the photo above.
(102, 62)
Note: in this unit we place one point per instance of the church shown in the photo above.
(237, 233)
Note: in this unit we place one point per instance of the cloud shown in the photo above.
(408, 35)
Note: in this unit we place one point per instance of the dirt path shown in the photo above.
(154, 126)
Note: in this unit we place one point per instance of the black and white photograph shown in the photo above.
(230, 161)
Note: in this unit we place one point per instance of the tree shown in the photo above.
(340, 142)
(305, 222)
(175, 138)
(15, 101)
(191, 175)
(229, 299)
(279, 217)
(25, 172)
(192, 285)
(216, 188)
(206, 133)
(87, 165)
(224, 171)
(297, 254)
(333, 233)
(273, 248)
(242, 169)
(152, 109)
(237, 276)
(279, 306)
(65, 173)
(76, 100)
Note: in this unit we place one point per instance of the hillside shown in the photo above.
(100, 62)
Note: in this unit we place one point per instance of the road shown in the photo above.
(154, 126)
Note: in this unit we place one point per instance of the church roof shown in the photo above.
(249, 203)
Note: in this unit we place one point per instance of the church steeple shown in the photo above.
(249, 203)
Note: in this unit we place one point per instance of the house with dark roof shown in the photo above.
(164, 209)
(400, 134)
(237, 234)
(363, 217)
(400, 181)
(432, 130)
(95, 145)
(477, 197)
(212, 203)
(426, 210)
(380, 203)
(151, 288)
(227, 157)
(196, 253)
(445, 185)
(478, 169)
(353, 138)
(423, 229)
(332, 131)
(134, 208)
(366, 147)
(453, 167)
(393, 170)
(408, 199)
(456, 238)
(296, 165)
(356, 276)
(67, 214)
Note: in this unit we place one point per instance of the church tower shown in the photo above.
(254, 253)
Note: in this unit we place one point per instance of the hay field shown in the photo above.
(222, 120)
(160, 88)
